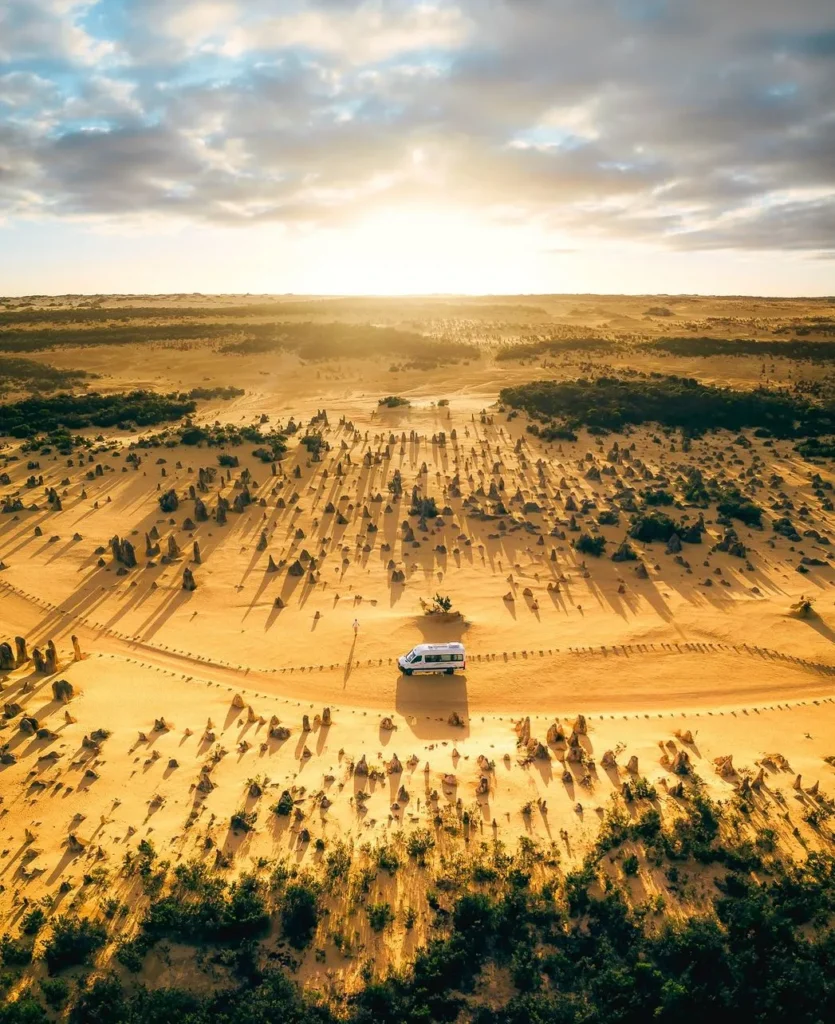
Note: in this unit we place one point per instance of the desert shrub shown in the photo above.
(299, 913)
(15, 952)
(656, 496)
(73, 941)
(33, 921)
(387, 859)
(608, 517)
(132, 952)
(589, 545)
(380, 915)
(735, 505)
(630, 865)
(315, 444)
(419, 843)
(552, 432)
(243, 820)
(651, 526)
(393, 401)
(284, 806)
(25, 1010)
(426, 508)
(206, 909)
(552, 347)
(56, 991)
(192, 435)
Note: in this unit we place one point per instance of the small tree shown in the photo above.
(441, 603)
(590, 545)
(299, 914)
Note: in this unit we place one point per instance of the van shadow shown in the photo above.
(427, 701)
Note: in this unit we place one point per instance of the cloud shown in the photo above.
(690, 126)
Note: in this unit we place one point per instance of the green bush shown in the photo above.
(589, 545)
(33, 921)
(380, 915)
(630, 865)
(299, 913)
(56, 991)
(73, 941)
(736, 506)
(15, 952)
(419, 843)
(284, 806)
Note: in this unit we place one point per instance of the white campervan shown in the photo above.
(433, 658)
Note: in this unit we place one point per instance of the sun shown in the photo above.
(415, 250)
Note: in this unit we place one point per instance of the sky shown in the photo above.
(392, 146)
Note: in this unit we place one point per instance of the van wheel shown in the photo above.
(407, 671)
(449, 671)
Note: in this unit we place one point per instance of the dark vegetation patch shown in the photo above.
(321, 342)
(28, 373)
(574, 947)
(59, 414)
(590, 545)
(57, 337)
(271, 443)
(815, 351)
(73, 941)
(310, 341)
(612, 403)
(402, 309)
(32, 416)
(533, 348)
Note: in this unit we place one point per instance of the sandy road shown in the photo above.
(629, 680)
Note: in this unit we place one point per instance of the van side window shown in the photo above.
(417, 657)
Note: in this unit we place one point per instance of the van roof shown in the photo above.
(440, 647)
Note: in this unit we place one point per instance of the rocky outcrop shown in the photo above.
(62, 690)
(123, 551)
(188, 580)
(556, 734)
(523, 731)
(169, 502)
(7, 658)
(21, 654)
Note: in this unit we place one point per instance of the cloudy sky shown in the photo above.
(396, 146)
